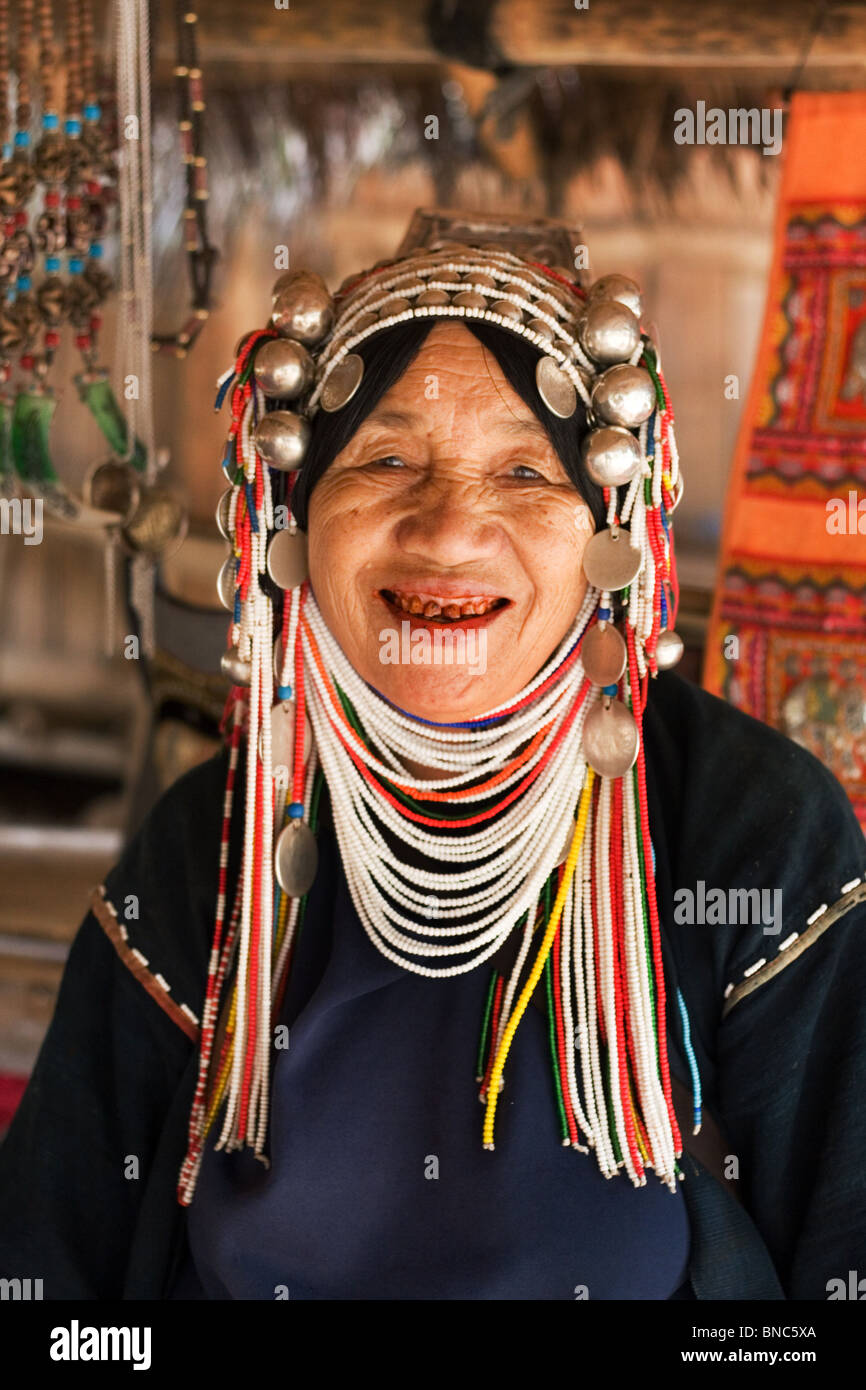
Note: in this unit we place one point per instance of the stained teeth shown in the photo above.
(430, 608)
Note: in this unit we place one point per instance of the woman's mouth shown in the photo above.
(432, 608)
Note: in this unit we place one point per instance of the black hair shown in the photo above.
(387, 355)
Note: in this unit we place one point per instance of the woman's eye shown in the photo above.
(388, 461)
(525, 470)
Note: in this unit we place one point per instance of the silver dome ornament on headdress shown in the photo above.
(669, 649)
(281, 438)
(619, 288)
(608, 332)
(283, 368)
(612, 455)
(624, 396)
(303, 307)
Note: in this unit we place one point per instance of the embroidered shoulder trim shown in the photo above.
(795, 944)
(156, 984)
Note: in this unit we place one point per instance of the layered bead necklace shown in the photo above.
(497, 867)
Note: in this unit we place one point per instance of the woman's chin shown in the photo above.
(443, 696)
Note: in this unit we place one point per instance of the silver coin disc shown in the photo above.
(226, 583)
(296, 858)
(610, 739)
(611, 563)
(283, 736)
(287, 558)
(342, 383)
(555, 388)
(603, 653)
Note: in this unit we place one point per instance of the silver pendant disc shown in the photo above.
(226, 583)
(342, 383)
(610, 563)
(610, 739)
(283, 736)
(555, 388)
(603, 653)
(296, 859)
(287, 559)
(222, 513)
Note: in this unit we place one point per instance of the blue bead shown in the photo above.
(22, 138)
(76, 265)
(92, 111)
(52, 262)
(221, 393)
(284, 692)
(72, 126)
(609, 689)
(23, 282)
(50, 121)
(296, 809)
(95, 250)
(604, 615)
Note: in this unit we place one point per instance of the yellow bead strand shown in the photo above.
(543, 952)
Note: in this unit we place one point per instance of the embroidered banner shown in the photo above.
(787, 636)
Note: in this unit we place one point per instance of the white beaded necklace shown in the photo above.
(506, 862)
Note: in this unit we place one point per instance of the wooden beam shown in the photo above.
(713, 34)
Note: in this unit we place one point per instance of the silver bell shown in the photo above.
(609, 331)
(624, 396)
(303, 308)
(283, 368)
(612, 456)
(239, 672)
(282, 438)
(669, 649)
(620, 288)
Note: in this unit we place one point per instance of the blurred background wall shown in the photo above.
(326, 125)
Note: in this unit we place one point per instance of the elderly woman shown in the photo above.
(464, 843)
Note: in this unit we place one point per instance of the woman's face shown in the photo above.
(446, 539)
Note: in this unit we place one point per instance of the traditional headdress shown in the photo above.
(559, 853)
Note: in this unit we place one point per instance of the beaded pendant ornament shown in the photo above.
(548, 792)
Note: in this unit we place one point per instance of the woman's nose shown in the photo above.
(449, 522)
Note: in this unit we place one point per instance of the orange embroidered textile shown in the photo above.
(787, 636)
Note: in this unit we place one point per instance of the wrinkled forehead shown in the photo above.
(453, 374)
